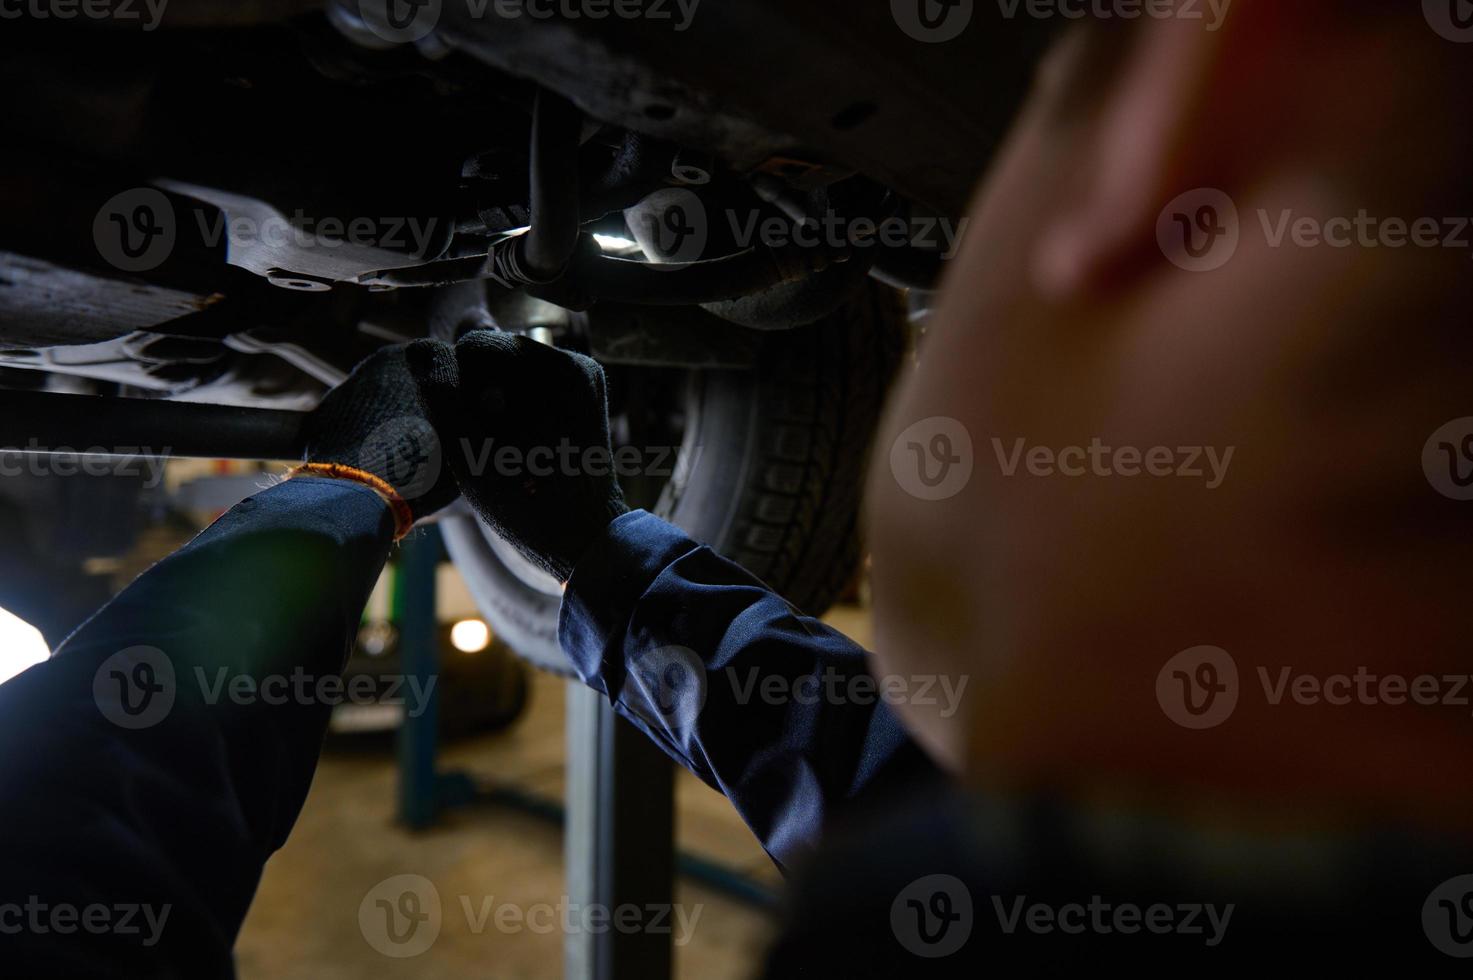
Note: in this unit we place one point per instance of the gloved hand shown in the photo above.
(526, 431)
(374, 423)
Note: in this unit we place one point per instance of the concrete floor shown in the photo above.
(305, 924)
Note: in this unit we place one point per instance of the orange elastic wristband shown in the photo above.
(403, 516)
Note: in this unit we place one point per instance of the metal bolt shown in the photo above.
(693, 169)
(298, 281)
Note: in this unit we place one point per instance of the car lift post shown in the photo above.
(619, 842)
(619, 831)
(420, 784)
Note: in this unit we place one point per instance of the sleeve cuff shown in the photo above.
(608, 583)
(311, 503)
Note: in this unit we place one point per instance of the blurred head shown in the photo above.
(1200, 360)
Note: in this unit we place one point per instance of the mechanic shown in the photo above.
(1285, 838)
(175, 814)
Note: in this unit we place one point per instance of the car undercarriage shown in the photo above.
(208, 224)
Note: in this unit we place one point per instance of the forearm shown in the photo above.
(772, 708)
(148, 731)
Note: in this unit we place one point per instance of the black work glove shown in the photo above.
(374, 422)
(526, 431)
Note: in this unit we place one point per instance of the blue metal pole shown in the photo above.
(419, 659)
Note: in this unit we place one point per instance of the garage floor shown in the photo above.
(304, 923)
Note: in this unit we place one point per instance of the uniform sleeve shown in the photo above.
(150, 768)
(772, 708)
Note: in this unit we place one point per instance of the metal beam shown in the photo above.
(48, 423)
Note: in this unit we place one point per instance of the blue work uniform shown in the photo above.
(132, 778)
(141, 800)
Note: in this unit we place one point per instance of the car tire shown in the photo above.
(770, 476)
